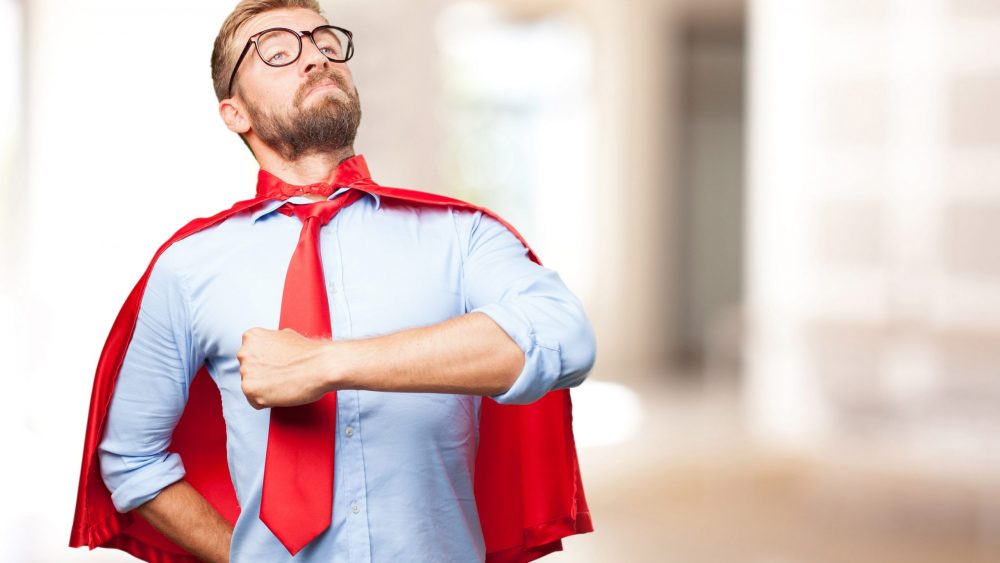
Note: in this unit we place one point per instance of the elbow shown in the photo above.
(133, 481)
(116, 474)
(579, 353)
(557, 341)
(112, 467)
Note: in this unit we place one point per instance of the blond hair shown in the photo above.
(224, 52)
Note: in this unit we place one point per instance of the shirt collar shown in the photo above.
(272, 205)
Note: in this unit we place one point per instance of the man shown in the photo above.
(433, 304)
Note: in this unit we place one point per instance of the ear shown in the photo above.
(234, 114)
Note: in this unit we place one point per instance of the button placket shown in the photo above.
(355, 498)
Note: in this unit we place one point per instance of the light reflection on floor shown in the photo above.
(605, 414)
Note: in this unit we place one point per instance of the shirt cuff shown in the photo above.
(542, 361)
(147, 481)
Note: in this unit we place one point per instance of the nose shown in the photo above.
(312, 57)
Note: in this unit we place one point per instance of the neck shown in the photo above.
(310, 169)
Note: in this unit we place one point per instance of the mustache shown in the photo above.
(317, 77)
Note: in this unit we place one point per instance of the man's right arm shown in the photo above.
(149, 397)
(181, 514)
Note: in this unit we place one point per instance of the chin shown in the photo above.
(319, 100)
(327, 93)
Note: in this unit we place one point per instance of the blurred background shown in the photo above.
(783, 218)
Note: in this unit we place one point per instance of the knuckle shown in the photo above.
(256, 401)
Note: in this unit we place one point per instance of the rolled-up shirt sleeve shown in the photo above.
(532, 305)
(150, 394)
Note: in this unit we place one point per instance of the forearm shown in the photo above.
(469, 354)
(181, 514)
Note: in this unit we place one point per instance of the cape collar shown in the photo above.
(351, 172)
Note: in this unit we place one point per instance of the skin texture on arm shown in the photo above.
(468, 354)
(181, 514)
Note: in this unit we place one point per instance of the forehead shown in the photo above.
(298, 19)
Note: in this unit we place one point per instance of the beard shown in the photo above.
(328, 125)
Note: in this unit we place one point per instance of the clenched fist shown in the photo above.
(282, 368)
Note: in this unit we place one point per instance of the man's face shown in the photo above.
(309, 106)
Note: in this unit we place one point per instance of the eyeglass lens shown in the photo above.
(281, 47)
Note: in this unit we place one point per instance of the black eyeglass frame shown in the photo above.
(298, 34)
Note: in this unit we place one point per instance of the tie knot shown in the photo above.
(320, 189)
(323, 211)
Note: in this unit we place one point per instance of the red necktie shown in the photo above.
(297, 496)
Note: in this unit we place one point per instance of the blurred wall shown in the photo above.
(873, 269)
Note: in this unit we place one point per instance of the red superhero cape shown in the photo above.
(527, 479)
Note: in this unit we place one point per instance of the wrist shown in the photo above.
(338, 367)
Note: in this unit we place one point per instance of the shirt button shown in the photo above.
(349, 431)
(355, 508)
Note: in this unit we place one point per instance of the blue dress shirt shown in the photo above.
(403, 479)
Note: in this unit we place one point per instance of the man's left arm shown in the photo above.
(525, 334)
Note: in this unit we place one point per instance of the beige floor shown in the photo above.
(690, 489)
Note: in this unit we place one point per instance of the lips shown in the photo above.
(322, 85)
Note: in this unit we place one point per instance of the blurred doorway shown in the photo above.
(711, 199)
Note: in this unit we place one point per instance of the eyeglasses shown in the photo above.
(279, 46)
